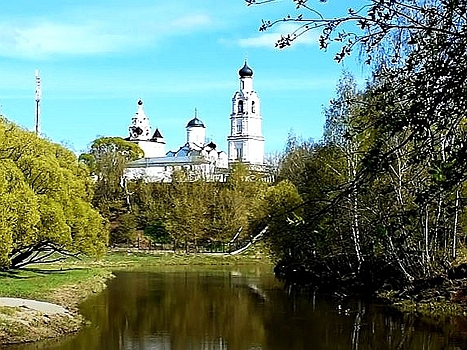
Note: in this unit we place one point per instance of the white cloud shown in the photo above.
(91, 31)
(48, 39)
(269, 37)
(192, 22)
(263, 40)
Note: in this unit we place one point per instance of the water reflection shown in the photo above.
(242, 308)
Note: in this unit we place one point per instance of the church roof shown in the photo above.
(157, 135)
(167, 161)
(245, 71)
(195, 122)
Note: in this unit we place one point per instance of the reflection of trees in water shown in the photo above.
(312, 321)
(193, 310)
(224, 310)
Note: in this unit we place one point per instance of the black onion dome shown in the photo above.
(140, 103)
(195, 122)
(245, 71)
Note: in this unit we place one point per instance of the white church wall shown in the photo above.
(151, 149)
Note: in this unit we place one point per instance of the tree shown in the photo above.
(45, 202)
(19, 212)
(403, 138)
(284, 213)
(389, 27)
(106, 162)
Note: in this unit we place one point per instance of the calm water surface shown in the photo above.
(241, 308)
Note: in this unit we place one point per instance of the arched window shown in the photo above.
(253, 107)
(240, 106)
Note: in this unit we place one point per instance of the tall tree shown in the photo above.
(106, 162)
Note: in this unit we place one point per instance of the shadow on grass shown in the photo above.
(11, 274)
(31, 272)
(43, 271)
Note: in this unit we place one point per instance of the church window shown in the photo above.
(253, 107)
(243, 84)
(240, 106)
(239, 126)
(240, 153)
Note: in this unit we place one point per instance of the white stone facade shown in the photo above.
(246, 140)
(153, 145)
(198, 158)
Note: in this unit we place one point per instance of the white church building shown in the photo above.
(198, 157)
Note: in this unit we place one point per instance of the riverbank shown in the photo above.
(68, 283)
(23, 322)
(440, 296)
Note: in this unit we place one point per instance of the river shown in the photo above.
(242, 308)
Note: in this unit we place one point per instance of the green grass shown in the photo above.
(116, 259)
(435, 309)
(39, 283)
(9, 311)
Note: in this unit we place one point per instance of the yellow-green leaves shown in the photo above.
(44, 194)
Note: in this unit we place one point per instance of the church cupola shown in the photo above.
(139, 128)
(196, 131)
(153, 145)
(157, 136)
(245, 71)
(246, 78)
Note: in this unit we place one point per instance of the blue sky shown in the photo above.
(97, 58)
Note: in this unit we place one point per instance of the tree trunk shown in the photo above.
(454, 230)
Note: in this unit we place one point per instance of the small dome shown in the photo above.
(140, 103)
(245, 71)
(195, 122)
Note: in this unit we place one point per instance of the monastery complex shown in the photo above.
(199, 157)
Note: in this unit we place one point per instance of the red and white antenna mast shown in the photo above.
(38, 103)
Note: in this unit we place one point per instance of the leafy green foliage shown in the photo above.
(45, 201)
(157, 232)
(383, 191)
(199, 214)
(284, 217)
(106, 162)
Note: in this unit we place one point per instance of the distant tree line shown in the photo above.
(182, 215)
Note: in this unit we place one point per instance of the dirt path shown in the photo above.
(41, 306)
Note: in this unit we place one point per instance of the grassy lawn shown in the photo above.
(135, 259)
(39, 283)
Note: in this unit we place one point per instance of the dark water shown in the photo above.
(240, 309)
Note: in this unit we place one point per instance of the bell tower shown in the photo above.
(140, 133)
(139, 127)
(246, 141)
